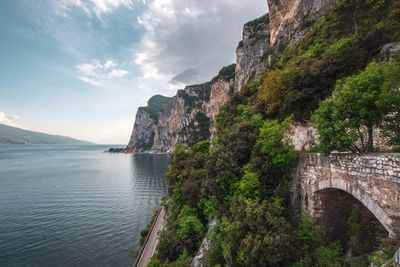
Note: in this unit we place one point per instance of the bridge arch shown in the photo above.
(357, 193)
(371, 179)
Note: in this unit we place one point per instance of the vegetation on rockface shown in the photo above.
(226, 73)
(155, 105)
(242, 179)
(383, 255)
(360, 104)
(197, 129)
(340, 44)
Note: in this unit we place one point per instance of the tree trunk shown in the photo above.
(370, 144)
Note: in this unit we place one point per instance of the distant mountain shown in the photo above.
(13, 135)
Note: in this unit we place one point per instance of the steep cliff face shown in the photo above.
(142, 137)
(183, 119)
(252, 59)
(290, 19)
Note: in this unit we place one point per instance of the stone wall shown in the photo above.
(373, 179)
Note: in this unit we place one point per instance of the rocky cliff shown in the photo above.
(189, 116)
(290, 20)
(183, 119)
(252, 59)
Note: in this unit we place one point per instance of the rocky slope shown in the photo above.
(290, 20)
(189, 116)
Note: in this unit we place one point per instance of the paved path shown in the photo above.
(152, 242)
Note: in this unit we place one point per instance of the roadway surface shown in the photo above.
(151, 244)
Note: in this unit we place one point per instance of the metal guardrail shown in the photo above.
(147, 238)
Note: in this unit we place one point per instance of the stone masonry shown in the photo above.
(373, 179)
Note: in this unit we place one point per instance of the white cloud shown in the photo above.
(109, 64)
(9, 120)
(98, 74)
(89, 69)
(117, 73)
(200, 36)
(90, 81)
(97, 7)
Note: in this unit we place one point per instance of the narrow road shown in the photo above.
(152, 242)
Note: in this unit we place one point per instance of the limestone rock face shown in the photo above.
(143, 131)
(289, 18)
(251, 55)
(303, 136)
(185, 118)
(219, 95)
(390, 51)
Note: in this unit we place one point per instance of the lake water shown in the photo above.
(74, 205)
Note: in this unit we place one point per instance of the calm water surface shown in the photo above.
(74, 205)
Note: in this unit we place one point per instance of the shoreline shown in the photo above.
(116, 150)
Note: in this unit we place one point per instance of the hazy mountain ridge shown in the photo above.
(13, 135)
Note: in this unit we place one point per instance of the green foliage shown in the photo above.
(210, 206)
(304, 262)
(347, 120)
(189, 224)
(230, 112)
(179, 151)
(363, 232)
(330, 256)
(340, 44)
(154, 262)
(341, 47)
(391, 93)
(310, 235)
(259, 235)
(170, 246)
(273, 143)
(202, 147)
(249, 185)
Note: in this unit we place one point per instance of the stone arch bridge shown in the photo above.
(373, 179)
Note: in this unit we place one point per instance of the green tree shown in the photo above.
(358, 106)
(259, 235)
(391, 95)
(330, 256)
(202, 146)
(274, 143)
(249, 185)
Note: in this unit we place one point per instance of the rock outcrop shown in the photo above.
(290, 19)
(143, 133)
(252, 59)
(185, 118)
(390, 51)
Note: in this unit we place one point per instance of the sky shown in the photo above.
(81, 68)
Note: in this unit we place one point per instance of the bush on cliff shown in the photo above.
(360, 104)
(340, 44)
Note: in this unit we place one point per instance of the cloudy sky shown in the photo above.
(82, 67)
